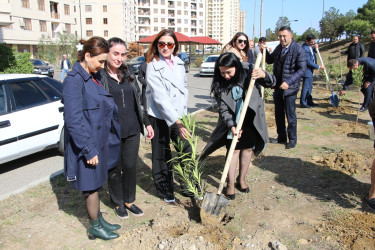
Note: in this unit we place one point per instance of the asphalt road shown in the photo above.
(19, 175)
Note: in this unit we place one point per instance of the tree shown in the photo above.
(270, 35)
(310, 30)
(134, 50)
(367, 12)
(7, 56)
(52, 51)
(332, 24)
(20, 65)
(359, 28)
(283, 21)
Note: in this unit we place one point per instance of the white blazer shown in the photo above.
(166, 92)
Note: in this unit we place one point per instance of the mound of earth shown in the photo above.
(347, 162)
(359, 129)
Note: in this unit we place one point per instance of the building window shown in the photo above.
(106, 33)
(41, 5)
(155, 1)
(186, 30)
(104, 8)
(43, 26)
(162, 2)
(155, 29)
(178, 29)
(178, 3)
(74, 9)
(67, 9)
(105, 20)
(155, 11)
(88, 20)
(178, 20)
(27, 22)
(162, 20)
(155, 19)
(162, 11)
(25, 3)
(88, 8)
(186, 12)
(68, 28)
(89, 33)
(179, 12)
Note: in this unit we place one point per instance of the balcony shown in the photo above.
(55, 15)
(143, 12)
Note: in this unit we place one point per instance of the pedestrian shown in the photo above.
(229, 87)
(123, 86)
(92, 132)
(239, 45)
(371, 196)
(371, 50)
(289, 65)
(306, 100)
(167, 98)
(66, 65)
(355, 49)
(250, 53)
(367, 87)
(263, 41)
(142, 81)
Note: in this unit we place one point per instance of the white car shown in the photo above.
(31, 115)
(208, 66)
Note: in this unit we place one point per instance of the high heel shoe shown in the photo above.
(243, 190)
(231, 196)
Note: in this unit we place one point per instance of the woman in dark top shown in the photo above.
(123, 86)
(92, 132)
(229, 88)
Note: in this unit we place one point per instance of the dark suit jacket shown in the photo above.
(368, 71)
(355, 51)
(310, 59)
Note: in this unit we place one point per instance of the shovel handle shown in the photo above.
(325, 71)
(264, 68)
(238, 128)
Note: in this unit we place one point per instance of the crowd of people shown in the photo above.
(106, 111)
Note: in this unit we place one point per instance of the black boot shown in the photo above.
(108, 226)
(97, 230)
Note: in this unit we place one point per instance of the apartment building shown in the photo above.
(28, 20)
(223, 17)
(242, 22)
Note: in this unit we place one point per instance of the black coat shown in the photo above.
(141, 112)
(227, 109)
(355, 51)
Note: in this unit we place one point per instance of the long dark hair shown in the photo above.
(122, 71)
(219, 83)
(94, 46)
(234, 39)
(153, 50)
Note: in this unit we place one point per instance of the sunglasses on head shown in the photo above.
(242, 41)
(162, 45)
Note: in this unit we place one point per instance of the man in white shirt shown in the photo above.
(65, 66)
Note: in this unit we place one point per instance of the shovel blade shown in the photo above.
(213, 207)
(334, 100)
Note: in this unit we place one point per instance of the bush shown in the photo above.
(7, 57)
(198, 61)
(20, 65)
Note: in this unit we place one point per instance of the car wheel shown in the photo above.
(61, 142)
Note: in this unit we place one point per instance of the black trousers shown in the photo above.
(367, 94)
(161, 153)
(285, 105)
(122, 178)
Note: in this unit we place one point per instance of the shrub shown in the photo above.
(198, 61)
(20, 65)
(7, 57)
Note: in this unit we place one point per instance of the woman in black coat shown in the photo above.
(117, 79)
(229, 88)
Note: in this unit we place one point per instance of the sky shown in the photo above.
(307, 12)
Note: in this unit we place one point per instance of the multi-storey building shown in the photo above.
(242, 21)
(184, 16)
(222, 21)
(30, 19)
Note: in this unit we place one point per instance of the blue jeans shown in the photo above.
(63, 73)
(306, 98)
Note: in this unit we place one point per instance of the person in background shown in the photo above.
(306, 100)
(367, 87)
(371, 195)
(239, 45)
(229, 87)
(289, 65)
(355, 49)
(142, 81)
(65, 66)
(123, 86)
(250, 53)
(167, 98)
(263, 41)
(371, 50)
(92, 132)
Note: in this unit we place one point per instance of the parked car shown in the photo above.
(42, 68)
(31, 115)
(208, 66)
(135, 63)
(185, 58)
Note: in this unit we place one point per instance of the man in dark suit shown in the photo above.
(309, 46)
(367, 87)
(355, 49)
(371, 50)
(289, 65)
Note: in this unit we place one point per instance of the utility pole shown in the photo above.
(323, 10)
(261, 18)
(80, 16)
(255, 6)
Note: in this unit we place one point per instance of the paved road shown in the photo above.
(19, 175)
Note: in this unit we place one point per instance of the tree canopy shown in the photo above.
(332, 24)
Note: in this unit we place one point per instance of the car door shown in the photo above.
(8, 133)
(35, 116)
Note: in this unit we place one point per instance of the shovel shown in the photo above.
(334, 98)
(214, 205)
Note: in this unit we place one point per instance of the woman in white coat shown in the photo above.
(167, 98)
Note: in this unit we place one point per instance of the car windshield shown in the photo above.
(39, 63)
(211, 59)
(138, 59)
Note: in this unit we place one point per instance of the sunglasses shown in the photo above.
(162, 45)
(242, 41)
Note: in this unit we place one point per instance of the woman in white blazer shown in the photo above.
(167, 98)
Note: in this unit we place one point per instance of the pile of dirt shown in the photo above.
(352, 129)
(347, 162)
(354, 230)
(270, 116)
